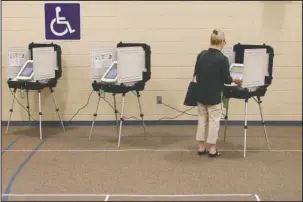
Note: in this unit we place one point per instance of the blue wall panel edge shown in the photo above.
(149, 122)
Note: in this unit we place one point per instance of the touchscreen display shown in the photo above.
(236, 69)
(28, 70)
(237, 72)
(112, 73)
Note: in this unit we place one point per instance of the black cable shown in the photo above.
(183, 112)
(132, 117)
(81, 108)
(26, 109)
(105, 101)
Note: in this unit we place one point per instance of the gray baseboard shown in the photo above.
(149, 122)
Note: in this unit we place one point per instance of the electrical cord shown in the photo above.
(26, 109)
(69, 121)
(183, 112)
(133, 117)
(86, 104)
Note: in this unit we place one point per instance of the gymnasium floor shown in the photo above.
(163, 167)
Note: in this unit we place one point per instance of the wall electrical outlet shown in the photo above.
(159, 99)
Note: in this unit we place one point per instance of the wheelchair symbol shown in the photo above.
(60, 21)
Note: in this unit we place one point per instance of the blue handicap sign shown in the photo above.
(62, 21)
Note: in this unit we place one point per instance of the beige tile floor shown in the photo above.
(164, 167)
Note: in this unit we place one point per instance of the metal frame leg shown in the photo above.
(57, 109)
(226, 120)
(28, 110)
(263, 123)
(141, 114)
(116, 113)
(95, 116)
(40, 114)
(11, 111)
(245, 126)
(121, 119)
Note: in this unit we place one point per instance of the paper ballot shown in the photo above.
(16, 59)
(101, 59)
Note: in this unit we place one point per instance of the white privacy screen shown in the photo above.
(255, 61)
(45, 63)
(131, 63)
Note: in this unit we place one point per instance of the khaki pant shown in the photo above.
(208, 122)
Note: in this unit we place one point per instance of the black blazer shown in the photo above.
(212, 72)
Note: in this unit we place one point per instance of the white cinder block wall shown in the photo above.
(176, 31)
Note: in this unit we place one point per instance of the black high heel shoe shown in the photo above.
(202, 152)
(214, 155)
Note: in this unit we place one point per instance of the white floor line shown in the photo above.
(190, 195)
(151, 150)
(106, 198)
(257, 197)
(124, 195)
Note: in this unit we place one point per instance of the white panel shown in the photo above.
(131, 63)
(266, 73)
(16, 59)
(262, 50)
(101, 59)
(45, 63)
(254, 62)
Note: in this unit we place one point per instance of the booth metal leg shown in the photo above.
(263, 123)
(28, 110)
(95, 116)
(121, 119)
(11, 111)
(226, 119)
(40, 114)
(245, 126)
(141, 114)
(57, 109)
(116, 113)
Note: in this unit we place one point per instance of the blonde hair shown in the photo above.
(217, 37)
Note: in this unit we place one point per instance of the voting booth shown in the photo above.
(256, 73)
(119, 70)
(33, 69)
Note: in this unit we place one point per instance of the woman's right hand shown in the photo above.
(237, 81)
